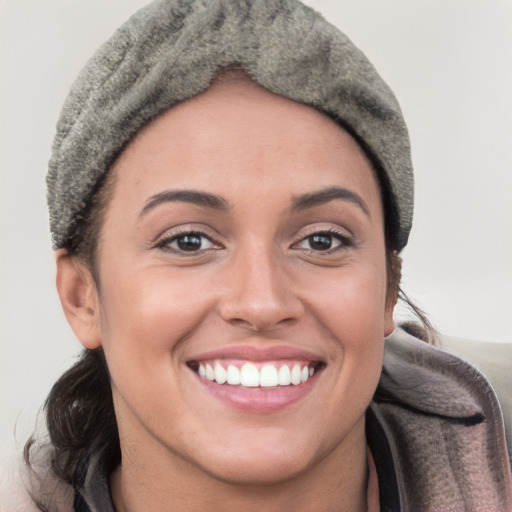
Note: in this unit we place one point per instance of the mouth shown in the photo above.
(257, 380)
(251, 374)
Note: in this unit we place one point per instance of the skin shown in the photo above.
(256, 281)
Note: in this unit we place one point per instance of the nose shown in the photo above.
(259, 293)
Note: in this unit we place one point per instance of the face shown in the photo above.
(243, 288)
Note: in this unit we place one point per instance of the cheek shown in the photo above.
(351, 300)
(147, 317)
(161, 303)
(146, 320)
(352, 309)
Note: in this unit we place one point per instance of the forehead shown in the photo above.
(237, 137)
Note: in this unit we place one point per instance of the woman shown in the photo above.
(229, 190)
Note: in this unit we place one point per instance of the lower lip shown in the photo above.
(258, 400)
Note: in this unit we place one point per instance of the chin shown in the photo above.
(269, 458)
(265, 470)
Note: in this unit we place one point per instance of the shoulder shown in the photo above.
(445, 427)
(494, 360)
(19, 483)
(14, 495)
(483, 368)
(436, 381)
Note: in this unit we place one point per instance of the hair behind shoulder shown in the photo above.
(80, 421)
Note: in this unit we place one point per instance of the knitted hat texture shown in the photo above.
(170, 50)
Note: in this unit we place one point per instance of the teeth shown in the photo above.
(250, 376)
(210, 374)
(233, 375)
(296, 375)
(268, 376)
(285, 376)
(221, 375)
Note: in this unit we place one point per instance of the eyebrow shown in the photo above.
(185, 196)
(312, 199)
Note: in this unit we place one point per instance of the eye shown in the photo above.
(187, 242)
(324, 242)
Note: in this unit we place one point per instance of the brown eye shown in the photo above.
(187, 243)
(191, 242)
(320, 242)
(324, 242)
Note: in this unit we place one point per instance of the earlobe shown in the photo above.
(389, 323)
(394, 272)
(79, 298)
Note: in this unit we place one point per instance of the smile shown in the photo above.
(253, 375)
(255, 379)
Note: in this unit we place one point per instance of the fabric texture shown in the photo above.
(494, 360)
(170, 50)
(443, 430)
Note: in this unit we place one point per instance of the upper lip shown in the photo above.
(258, 354)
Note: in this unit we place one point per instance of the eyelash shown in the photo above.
(165, 243)
(345, 240)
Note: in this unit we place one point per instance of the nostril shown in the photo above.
(288, 320)
(261, 324)
(261, 306)
(259, 315)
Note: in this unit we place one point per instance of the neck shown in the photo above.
(152, 480)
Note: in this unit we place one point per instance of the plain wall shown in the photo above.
(449, 63)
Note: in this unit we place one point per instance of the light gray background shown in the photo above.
(448, 61)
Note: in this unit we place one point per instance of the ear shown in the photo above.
(389, 322)
(79, 298)
(393, 286)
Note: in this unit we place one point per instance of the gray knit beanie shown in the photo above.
(170, 51)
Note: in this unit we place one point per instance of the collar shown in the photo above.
(445, 429)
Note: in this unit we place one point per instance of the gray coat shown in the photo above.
(445, 427)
